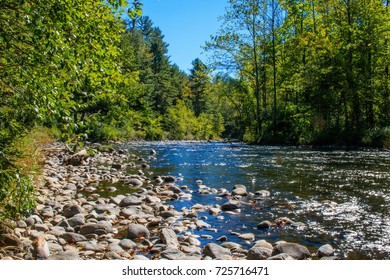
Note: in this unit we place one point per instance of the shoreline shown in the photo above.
(72, 221)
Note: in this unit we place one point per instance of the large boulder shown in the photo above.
(216, 252)
(296, 251)
(259, 253)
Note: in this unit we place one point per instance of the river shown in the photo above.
(338, 196)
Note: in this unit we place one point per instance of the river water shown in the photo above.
(339, 197)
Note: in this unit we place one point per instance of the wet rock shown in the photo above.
(70, 210)
(259, 253)
(231, 205)
(136, 231)
(172, 254)
(169, 237)
(296, 251)
(264, 225)
(240, 191)
(247, 236)
(325, 251)
(263, 193)
(214, 211)
(130, 200)
(169, 179)
(215, 251)
(222, 238)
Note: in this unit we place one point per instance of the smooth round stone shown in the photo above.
(215, 251)
(247, 236)
(172, 254)
(135, 231)
(296, 251)
(127, 244)
(264, 225)
(101, 208)
(259, 253)
(70, 210)
(130, 200)
(325, 251)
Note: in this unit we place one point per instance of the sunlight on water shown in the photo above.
(334, 196)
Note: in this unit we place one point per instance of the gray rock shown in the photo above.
(134, 182)
(140, 258)
(231, 205)
(127, 244)
(259, 253)
(70, 210)
(296, 251)
(240, 192)
(41, 248)
(168, 214)
(130, 200)
(67, 255)
(41, 227)
(72, 237)
(232, 246)
(47, 212)
(172, 254)
(130, 211)
(169, 237)
(325, 251)
(264, 244)
(281, 257)
(215, 251)
(76, 221)
(247, 236)
(102, 208)
(135, 231)
(99, 228)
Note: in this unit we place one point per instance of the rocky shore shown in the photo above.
(73, 221)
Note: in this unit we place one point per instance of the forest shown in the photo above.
(291, 72)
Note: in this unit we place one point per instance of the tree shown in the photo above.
(200, 86)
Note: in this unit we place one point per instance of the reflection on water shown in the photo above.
(341, 197)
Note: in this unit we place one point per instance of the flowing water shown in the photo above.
(340, 197)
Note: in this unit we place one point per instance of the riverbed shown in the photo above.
(334, 196)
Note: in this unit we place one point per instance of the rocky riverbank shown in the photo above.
(74, 221)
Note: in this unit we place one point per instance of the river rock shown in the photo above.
(296, 251)
(325, 251)
(76, 221)
(169, 237)
(216, 252)
(10, 240)
(41, 248)
(127, 244)
(72, 237)
(264, 225)
(264, 244)
(102, 208)
(263, 193)
(172, 254)
(259, 253)
(214, 211)
(281, 257)
(231, 205)
(47, 212)
(135, 231)
(77, 159)
(134, 182)
(241, 191)
(100, 228)
(67, 255)
(169, 179)
(130, 200)
(247, 236)
(70, 210)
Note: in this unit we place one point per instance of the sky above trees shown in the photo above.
(186, 24)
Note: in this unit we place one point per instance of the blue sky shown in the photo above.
(186, 25)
